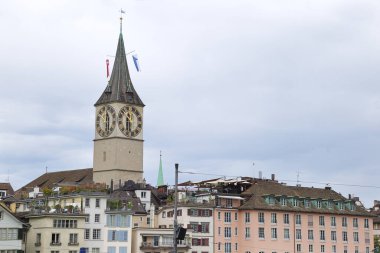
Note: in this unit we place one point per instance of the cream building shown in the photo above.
(55, 233)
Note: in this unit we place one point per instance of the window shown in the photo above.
(310, 247)
(54, 251)
(286, 218)
(219, 246)
(345, 249)
(87, 234)
(322, 248)
(355, 222)
(322, 235)
(286, 234)
(298, 219)
(111, 249)
(247, 232)
(366, 224)
(95, 250)
(344, 221)
(87, 219)
(283, 201)
(322, 221)
(73, 251)
(96, 233)
(247, 217)
(344, 235)
(366, 237)
(123, 249)
(55, 239)
(227, 232)
(87, 202)
(298, 234)
(333, 248)
(261, 217)
(333, 221)
(111, 235)
(143, 195)
(38, 239)
(73, 239)
(236, 247)
(333, 235)
(1, 215)
(236, 231)
(65, 223)
(229, 202)
(299, 248)
(218, 215)
(97, 217)
(227, 217)
(356, 237)
(310, 234)
(356, 249)
(274, 233)
(227, 247)
(366, 249)
(261, 233)
(310, 220)
(97, 202)
(307, 203)
(236, 216)
(273, 218)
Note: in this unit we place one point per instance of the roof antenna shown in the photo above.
(298, 178)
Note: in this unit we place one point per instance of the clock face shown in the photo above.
(129, 121)
(105, 121)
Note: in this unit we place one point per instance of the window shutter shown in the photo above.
(109, 235)
(128, 221)
(210, 212)
(199, 228)
(207, 228)
(118, 220)
(108, 220)
(125, 235)
(189, 212)
(19, 234)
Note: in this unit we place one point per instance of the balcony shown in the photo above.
(155, 246)
(73, 244)
(37, 244)
(55, 244)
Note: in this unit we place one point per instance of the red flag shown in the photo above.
(108, 68)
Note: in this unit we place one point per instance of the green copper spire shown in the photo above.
(160, 178)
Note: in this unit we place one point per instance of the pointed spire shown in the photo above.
(120, 87)
(160, 178)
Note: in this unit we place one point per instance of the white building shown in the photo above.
(119, 232)
(10, 231)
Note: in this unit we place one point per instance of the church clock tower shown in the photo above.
(118, 144)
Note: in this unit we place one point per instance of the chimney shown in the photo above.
(349, 196)
(111, 185)
(272, 177)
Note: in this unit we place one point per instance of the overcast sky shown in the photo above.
(289, 86)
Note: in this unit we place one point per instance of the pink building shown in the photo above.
(275, 218)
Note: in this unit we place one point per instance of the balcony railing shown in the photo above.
(55, 244)
(148, 245)
(73, 243)
(37, 244)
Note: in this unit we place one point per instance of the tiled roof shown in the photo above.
(8, 187)
(261, 188)
(48, 180)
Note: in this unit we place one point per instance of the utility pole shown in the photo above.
(175, 210)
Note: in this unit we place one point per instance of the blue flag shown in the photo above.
(136, 62)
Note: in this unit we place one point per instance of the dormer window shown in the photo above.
(295, 202)
(319, 204)
(283, 201)
(307, 203)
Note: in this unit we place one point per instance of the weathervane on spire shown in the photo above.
(121, 19)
